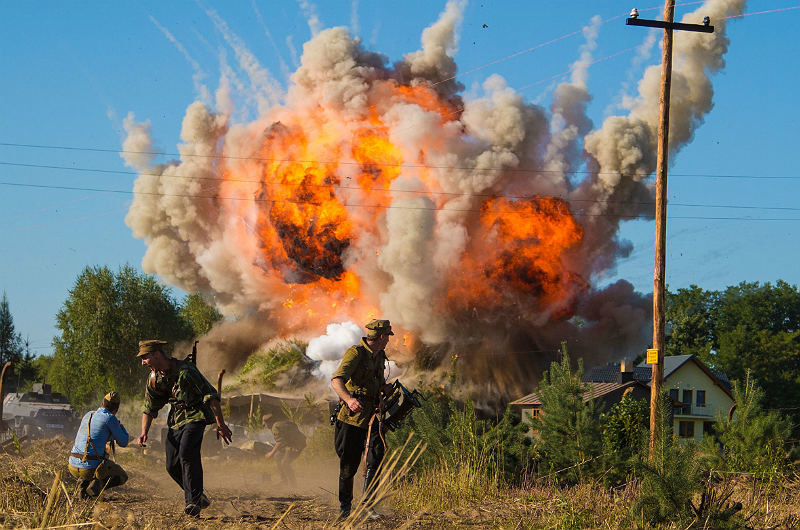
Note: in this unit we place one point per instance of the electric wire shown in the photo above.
(547, 43)
(394, 190)
(626, 217)
(336, 162)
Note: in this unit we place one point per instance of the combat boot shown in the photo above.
(204, 501)
(94, 488)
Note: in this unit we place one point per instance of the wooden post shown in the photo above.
(2, 377)
(659, 270)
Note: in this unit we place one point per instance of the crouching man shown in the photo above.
(358, 382)
(194, 403)
(289, 443)
(88, 460)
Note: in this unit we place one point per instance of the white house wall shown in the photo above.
(690, 377)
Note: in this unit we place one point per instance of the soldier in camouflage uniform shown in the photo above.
(194, 403)
(358, 382)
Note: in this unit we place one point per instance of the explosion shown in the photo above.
(368, 190)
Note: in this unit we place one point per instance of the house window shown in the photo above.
(534, 413)
(687, 401)
(701, 398)
(673, 394)
(708, 428)
(686, 429)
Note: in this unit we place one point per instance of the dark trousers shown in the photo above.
(183, 459)
(349, 442)
(283, 459)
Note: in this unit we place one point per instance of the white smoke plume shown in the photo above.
(328, 349)
(377, 191)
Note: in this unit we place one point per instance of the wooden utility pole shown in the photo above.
(659, 270)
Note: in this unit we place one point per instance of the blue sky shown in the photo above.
(72, 71)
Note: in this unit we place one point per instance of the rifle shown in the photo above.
(193, 356)
(219, 390)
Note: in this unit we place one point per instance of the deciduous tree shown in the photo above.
(745, 327)
(199, 314)
(100, 324)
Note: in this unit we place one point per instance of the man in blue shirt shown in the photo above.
(88, 461)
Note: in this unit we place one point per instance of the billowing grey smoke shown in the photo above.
(417, 230)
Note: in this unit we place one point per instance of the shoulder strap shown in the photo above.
(89, 439)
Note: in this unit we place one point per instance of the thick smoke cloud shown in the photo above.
(375, 191)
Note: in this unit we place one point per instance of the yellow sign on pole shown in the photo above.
(652, 356)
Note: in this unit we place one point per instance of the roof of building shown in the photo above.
(595, 390)
(643, 371)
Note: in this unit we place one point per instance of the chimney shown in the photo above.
(625, 371)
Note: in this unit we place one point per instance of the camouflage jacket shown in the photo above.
(186, 391)
(363, 373)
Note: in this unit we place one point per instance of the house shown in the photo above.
(698, 392)
(608, 391)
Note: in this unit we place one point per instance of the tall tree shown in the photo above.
(689, 313)
(749, 326)
(100, 324)
(199, 314)
(11, 347)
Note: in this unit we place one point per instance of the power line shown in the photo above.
(378, 206)
(393, 190)
(546, 43)
(324, 162)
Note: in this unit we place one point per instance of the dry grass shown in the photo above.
(38, 492)
(437, 498)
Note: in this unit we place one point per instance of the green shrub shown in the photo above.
(753, 440)
(625, 433)
(264, 368)
(568, 432)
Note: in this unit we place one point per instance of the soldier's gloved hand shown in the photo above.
(224, 432)
(142, 439)
(353, 404)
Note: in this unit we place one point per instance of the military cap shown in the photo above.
(112, 398)
(378, 327)
(149, 346)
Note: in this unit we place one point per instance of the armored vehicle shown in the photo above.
(41, 413)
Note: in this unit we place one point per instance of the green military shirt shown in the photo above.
(186, 391)
(363, 373)
(288, 434)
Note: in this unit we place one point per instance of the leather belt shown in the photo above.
(88, 457)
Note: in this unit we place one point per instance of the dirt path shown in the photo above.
(242, 492)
